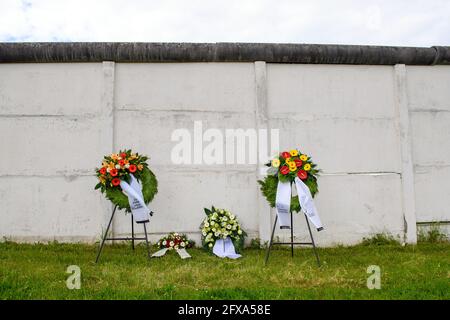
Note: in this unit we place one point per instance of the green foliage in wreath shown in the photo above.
(286, 167)
(269, 189)
(149, 189)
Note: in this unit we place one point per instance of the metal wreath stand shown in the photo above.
(132, 239)
(292, 243)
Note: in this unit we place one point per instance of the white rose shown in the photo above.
(182, 244)
(117, 166)
(239, 231)
(164, 242)
(228, 227)
(127, 165)
(210, 245)
(171, 243)
(204, 233)
(206, 224)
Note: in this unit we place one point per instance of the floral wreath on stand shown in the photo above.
(285, 168)
(120, 166)
(220, 224)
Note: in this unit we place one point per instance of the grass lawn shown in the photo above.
(39, 272)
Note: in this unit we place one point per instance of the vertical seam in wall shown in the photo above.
(261, 121)
(108, 111)
(407, 169)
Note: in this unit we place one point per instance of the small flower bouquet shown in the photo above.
(220, 224)
(175, 241)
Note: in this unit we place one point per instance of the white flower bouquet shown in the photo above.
(220, 224)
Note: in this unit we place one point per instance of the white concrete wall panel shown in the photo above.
(50, 88)
(429, 107)
(50, 208)
(202, 87)
(51, 145)
(57, 121)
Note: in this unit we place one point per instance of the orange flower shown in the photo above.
(140, 167)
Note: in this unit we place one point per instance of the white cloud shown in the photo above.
(382, 22)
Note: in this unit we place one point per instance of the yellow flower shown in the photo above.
(288, 160)
(114, 156)
(292, 167)
(275, 163)
(303, 157)
(293, 152)
(307, 167)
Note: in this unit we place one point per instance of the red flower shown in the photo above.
(284, 170)
(113, 172)
(115, 182)
(302, 174)
(103, 171)
(123, 155)
(298, 163)
(286, 155)
(132, 168)
(121, 163)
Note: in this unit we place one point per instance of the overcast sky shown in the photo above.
(408, 23)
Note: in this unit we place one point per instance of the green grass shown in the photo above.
(39, 272)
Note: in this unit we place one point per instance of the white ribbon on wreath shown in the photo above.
(181, 252)
(224, 248)
(138, 206)
(283, 204)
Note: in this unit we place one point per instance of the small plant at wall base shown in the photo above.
(432, 235)
(120, 166)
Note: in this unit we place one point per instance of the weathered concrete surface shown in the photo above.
(202, 87)
(222, 52)
(52, 145)
(429, 105)
(50, 208)
(309, 92)
(58, 120)
(355, 206)
(42, 89)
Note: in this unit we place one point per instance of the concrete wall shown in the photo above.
(380, 134)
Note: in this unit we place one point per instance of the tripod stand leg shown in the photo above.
(105, 235)
(271, 240)
(132, 232)
(312, 241)
(146, 241)
(292, 235)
